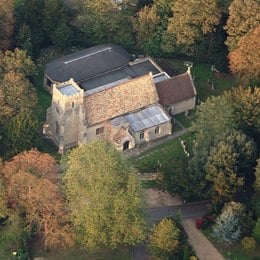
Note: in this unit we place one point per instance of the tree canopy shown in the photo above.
(244, 61)
(31, 188)
(104, 196)
(164, 239)
(244, 16)
(228, 164)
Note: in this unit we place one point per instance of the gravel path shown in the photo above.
(200, 244)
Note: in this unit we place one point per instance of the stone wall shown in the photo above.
(182, 106)
(149, 134)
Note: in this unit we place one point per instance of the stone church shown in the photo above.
(103, 93)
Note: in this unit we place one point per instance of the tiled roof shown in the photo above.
(176, 89)
(121, 99)
(87, 63)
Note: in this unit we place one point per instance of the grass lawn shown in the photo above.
(185, 121)
(233, 252)
(162, 155)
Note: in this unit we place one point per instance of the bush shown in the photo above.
(248, 244)
(256, 230)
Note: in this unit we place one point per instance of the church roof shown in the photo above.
(87, 63)
(176, 89)
(146, 118)
(121, 99)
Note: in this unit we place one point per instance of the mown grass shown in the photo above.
(162, 156)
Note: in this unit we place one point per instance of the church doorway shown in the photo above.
(126, 145)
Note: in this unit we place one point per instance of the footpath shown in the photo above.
(200, 244)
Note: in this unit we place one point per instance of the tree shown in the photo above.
(16, 94)
(29, 13)
(248, 244)
(164, 240)
(20, 133)
(180, 179)
(24, 39)
(229, 164)
(256, 230)
(244, 60)
(257, 176)
(244, 16)
(102, 21)
(17, 61)
(213, 118)
(229, 224)
(56, 16)
(104, 196)
(26, 176)
(192, 19)
(6, 23)
(245, 102)
(146, 26)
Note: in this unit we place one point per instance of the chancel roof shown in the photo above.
(176, 89)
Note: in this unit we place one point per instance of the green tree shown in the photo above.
(244, 16)
(29, 13)
(248, 244)
(20, 133)
(102, 21)
(182, 180)
(6, 23)
(16, 94)
(56, 16)
(245, 102)
(231, 223)
(244, 59)
(17, 61)
(164, 239)
(257, 175)
(146, 26)
(256, 230)
(192, 19)
(104, 196)
(229, 165)
(24, 39)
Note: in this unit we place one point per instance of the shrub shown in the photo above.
(248, 244)
(256, 230)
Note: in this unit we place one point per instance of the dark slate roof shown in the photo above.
(176, 89)
(87, 63)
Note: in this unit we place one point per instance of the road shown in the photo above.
(187, 210)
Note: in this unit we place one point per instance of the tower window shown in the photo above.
(72, 104)
(141, 136)
(57, 128)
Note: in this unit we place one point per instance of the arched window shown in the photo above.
(57, 128)
(157, 130)
(141, 136)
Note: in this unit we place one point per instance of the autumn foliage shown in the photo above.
(245, 60)
(31, 185)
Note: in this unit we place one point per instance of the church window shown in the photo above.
(157, 130)
(57, 128)
(99, 130)
(141, 136)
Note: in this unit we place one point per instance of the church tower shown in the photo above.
(65, 123)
